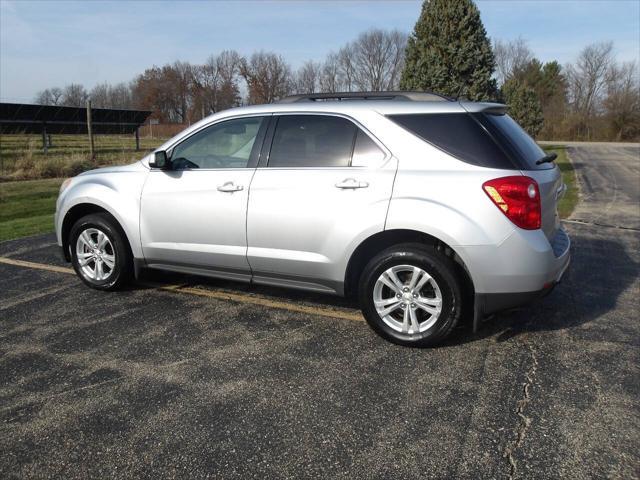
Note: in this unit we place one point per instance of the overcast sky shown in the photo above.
(53, 43)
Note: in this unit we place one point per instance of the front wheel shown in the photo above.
(99, 252)
(411, 295)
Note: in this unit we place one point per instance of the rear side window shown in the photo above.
(458, 134)
(365, 152)
(312, 141)
(514, 139)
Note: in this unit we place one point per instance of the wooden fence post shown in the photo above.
(137, 139)
(45, 145)
(90, 131)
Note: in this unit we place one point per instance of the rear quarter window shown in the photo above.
(483, 139)
(458, 134)
(518, 144)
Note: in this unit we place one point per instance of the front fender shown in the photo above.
(117, 193)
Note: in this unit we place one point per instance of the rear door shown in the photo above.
(325, 184)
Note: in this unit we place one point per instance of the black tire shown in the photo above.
(121, 273)
(441, 268)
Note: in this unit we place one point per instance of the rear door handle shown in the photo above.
(351, 183)
(230, 187)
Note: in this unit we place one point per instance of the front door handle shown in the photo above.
(351, 183)
(230, 187)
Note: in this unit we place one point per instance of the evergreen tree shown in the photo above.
(449, 52)
(524, 106)
(549, 85)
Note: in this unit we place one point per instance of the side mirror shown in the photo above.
(160, 161)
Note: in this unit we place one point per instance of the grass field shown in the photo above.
(27, 207)
(22, 157)
(570, 199)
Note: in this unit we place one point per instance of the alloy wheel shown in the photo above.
(407, 299)
(96, 255)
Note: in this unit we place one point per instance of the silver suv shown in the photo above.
(423, 207)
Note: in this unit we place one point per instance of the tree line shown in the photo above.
(182, 92)
(593, 98)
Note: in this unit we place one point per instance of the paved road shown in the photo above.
(610, 184)
(156, 383)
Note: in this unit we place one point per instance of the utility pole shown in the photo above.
(90, 132)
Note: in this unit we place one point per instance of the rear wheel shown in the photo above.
(99, 252)
(410, 294)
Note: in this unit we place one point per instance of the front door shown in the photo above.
(193, 216)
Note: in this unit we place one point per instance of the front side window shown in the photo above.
(227, 144)
(312, 141)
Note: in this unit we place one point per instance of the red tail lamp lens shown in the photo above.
(518, 198)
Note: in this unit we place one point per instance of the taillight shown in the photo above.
(518, 198)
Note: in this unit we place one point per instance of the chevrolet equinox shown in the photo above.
(419, 205)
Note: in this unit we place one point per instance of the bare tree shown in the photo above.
(268, 77)
(379, 59)
(74, 95)
(50, 96)
(56, 96)
(330, 76)
(622, 101)
(100, 96)
(216, 82)
(179, 80)
(228, 63)
(346, 64)
(372, 62)
(308, 77)
(586, 79)
(120, 96)
(511, 58)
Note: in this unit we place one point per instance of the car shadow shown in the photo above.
(600, 271)
(157, 278)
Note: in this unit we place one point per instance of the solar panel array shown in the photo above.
(26, 118)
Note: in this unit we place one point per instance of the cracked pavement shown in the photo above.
(149, 383)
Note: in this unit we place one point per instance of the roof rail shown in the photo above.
(340, 96)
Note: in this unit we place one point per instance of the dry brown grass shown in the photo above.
(22, 157)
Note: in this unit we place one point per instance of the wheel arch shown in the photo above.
(387, 238)
(80, 210)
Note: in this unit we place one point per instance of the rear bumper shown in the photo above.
(523, 263)
(555, 263)
(489, 303)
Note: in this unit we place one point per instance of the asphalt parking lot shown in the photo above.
(187, 377)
